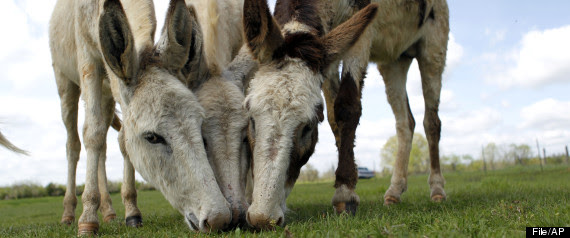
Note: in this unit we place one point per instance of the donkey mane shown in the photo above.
(305, 46)
(303, 11)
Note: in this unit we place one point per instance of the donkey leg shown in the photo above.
(394, 75)
(106, 206)
(347, 112)
(69, 95)
(133, 216)
(94, 135)
(330, 90)
(431, 62)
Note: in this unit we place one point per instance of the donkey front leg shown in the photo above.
(330, 89)
(69, 96)
(133, 217)
(347, 110)
(94, 136)
(394, 75)
(106, 206)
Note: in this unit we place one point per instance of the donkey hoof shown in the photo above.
(134, 221)
(109, 217)
(346, 207)
(389, 200)
(438, 198)
(67, 220)
(87, 229)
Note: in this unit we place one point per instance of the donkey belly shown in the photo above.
(395, 30)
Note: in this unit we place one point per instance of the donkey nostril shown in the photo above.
(280, 221)
(206, 224)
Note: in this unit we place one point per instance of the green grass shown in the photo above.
(501, 203)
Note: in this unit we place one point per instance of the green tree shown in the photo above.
(419, 155)
(308, 174)
(491, 153)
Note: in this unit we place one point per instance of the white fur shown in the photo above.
(159, 103)
(279, 103)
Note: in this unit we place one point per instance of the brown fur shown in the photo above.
(347, 33)
(303, 11)
(304, 46)
(347, 109)
(261, 31)
(359, 4)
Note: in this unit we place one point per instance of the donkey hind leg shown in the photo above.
(330, 90)
(431, 70)
(94, 136)
(133, 217)
(69, 96)
(106, 206)
(394, 75)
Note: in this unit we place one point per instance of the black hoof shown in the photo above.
(134, 221)
(351, 208)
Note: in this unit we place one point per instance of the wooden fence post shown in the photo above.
(539, 160)
(544, 153)
(485, 163)
(567, 157)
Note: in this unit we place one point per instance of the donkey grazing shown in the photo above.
(218, 86)
(284, 99)
(161, 134)
(404, 29)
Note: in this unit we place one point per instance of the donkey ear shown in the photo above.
(117, 44)
(176, 37)
(341, 38)
(195, 67)
(261, 30)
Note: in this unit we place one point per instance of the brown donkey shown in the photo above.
(300, 50)
(284, 97)
(105, 52)
(403, 30)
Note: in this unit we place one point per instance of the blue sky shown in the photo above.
(506, 81)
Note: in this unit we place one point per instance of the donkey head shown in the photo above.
(284, 98)
(162, 118)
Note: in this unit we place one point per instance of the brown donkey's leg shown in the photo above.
(69, 96)
(394, 75)
(330, 90)
(347, 112)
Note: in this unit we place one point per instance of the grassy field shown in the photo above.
(500, 203)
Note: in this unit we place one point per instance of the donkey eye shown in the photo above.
(154, 138)
(306, 130)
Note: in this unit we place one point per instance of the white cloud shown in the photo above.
(541, 59)
(471, 122)
(547, 114)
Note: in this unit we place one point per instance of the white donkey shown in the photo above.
(218, 85)
(284, 97)
(297, 58)
(161, 136)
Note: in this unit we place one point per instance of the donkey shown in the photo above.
(160, 136)
(218, 86)
(283, 99)
(8, 145)
(405, 29)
